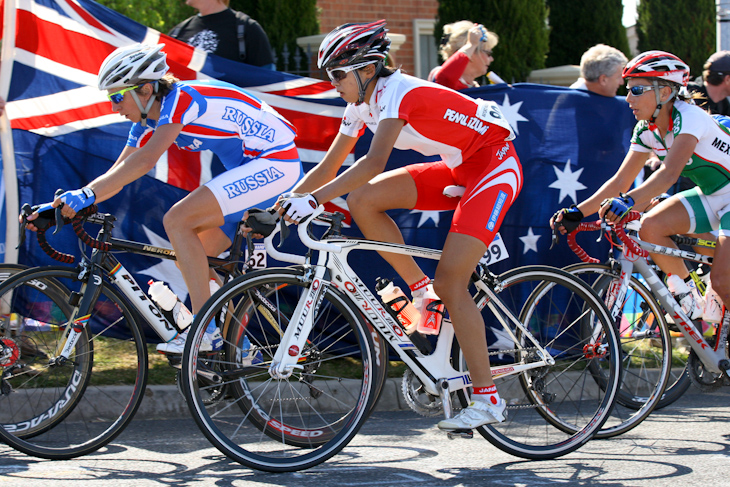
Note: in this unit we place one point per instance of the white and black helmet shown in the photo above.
(352, 44)
(130, 65)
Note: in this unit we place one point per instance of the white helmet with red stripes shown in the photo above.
(658, 65)
(131, 65)
(352, 44)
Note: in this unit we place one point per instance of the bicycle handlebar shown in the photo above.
(77, 222)
(599, 225)
(305, 238)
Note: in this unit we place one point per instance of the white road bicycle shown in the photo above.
(298, 359)
(655, 372)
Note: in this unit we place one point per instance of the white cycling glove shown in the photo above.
(78, 199)
(298, 206)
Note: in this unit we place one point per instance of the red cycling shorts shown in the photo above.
(492, 177)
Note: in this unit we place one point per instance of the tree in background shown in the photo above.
(521, 27)
(686, 29)
(161, 15)
(577, 26)
(284, 21)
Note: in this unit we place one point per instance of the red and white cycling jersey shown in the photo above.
(472, 137)
(448, 124)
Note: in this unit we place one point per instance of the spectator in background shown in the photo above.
(714, 84)
(219, 30)
(600, 70)
(467, 52)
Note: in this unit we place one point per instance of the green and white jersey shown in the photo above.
(709, 167)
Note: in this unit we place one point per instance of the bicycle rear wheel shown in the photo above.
(288, 424)
(554, 409)
(646, 358)
(58, 409)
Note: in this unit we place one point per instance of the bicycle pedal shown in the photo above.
(464, 434)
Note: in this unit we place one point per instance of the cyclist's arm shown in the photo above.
(133, 163)
(668, 173)
(326, 170)
(368, 166)
(619, 183)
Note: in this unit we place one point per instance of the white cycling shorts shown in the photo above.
(707, 213)
(256, 184)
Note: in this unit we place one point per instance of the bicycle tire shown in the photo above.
(549, 411)
(289, 424)
(60, 410)
(646, 346)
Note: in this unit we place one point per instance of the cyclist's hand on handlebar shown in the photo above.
(296, 207)
(39, 216)
(566, 220)
(615, 209)
(74, 201)
(259, 223)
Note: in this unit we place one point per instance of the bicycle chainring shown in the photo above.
(417, 399)
(702, 378)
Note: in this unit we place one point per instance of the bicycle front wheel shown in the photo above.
(646, 348)
(59, 408)
(280, 424)
(553, 409)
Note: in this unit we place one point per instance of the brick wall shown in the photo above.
(398, 13)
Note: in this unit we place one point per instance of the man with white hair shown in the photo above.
(600, 70)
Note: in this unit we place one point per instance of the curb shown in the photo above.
(166, 402)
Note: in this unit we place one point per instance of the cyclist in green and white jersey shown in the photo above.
(691, 143)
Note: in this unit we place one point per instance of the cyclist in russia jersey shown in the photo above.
(709, 166)
(222, 118)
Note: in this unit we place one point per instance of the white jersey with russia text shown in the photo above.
(439, 121)
(222, 118)
(709, 166)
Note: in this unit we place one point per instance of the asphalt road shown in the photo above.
(687, 443)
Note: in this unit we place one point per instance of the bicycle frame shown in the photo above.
(434, 371)
(714, 358)
(103, 262)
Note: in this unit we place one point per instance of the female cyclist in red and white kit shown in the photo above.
(472, 138)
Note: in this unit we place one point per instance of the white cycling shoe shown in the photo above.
(477, 414)
(212, 342)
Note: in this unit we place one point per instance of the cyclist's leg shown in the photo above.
(460, 256)
(222, 201)
(368, 204)
(198, 212)
(721, 260)
(670, 217)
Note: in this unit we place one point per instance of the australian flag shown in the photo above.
(59, 132)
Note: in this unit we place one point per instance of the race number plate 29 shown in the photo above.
(495, 252)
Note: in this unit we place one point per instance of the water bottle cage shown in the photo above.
(399, 299)
(433, 307)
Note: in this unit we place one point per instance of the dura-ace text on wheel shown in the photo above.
(58, 408)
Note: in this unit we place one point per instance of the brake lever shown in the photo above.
(25, 211)
(59, 215)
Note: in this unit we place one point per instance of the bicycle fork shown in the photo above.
(287, 356)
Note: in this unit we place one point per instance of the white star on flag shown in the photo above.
(426, 216)
(567, 182)
(530, 241)
(512, 113)
(165, 270)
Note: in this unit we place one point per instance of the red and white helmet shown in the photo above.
(352, 44)
(658, 65)
(130, 65)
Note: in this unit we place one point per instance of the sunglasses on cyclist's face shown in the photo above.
(118, 96)
(339, 74)
(639, 90)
